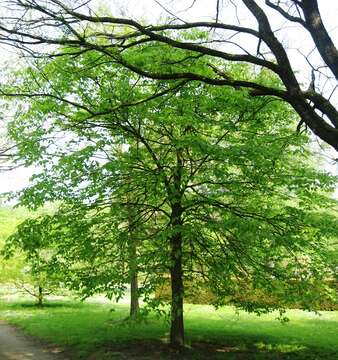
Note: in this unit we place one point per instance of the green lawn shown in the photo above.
(92, 331)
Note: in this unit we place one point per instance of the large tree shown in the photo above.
(215, 181)
(34, 26)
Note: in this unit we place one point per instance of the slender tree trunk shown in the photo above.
(177, 289)
(133, 280)
(134, 298)
(177, 325)
(40, 297)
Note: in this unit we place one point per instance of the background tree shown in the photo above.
(217, 210)
(36, 251)
(12, 269)
(32, 23)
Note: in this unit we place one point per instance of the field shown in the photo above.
(99, 331)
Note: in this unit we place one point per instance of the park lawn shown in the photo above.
(94, 331)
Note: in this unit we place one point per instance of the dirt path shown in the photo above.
(16, 346)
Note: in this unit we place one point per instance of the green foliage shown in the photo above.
(198, 293)
(25, 253)
(10, 269)
(239, 175)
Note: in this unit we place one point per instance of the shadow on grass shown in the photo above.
(102, 333)
(243, 350)
(48, 305)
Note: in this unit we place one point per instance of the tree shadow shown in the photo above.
(47, 305)
(242, 349)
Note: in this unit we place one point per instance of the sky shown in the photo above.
(149, 10)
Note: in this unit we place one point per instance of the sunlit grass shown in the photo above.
(93, 328)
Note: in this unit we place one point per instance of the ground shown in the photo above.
(14, 345)
(99, 331)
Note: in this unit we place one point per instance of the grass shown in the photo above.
(92, 331)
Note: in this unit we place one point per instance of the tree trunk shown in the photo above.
(177, 325)
(132, 263)
(40, 297)
(177, 289)
(134, 301)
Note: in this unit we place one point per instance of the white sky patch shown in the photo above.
(14, 180)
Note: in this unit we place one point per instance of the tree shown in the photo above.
(10, 269)
(32, 23)
(90, 250)
(35, 246)
(216, 210)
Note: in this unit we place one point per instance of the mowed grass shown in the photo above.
(93, 331)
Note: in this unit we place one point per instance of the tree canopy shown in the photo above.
(221, 187)
(36, 27)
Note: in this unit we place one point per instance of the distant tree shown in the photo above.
(33, 247)
(10, 269)
(222, 184)
(93, 250)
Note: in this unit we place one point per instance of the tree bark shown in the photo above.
(40, 297)
(132, 264)
(134, 298)
(177, 288)
(320, 36)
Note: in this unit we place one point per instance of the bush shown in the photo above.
(200, 294)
